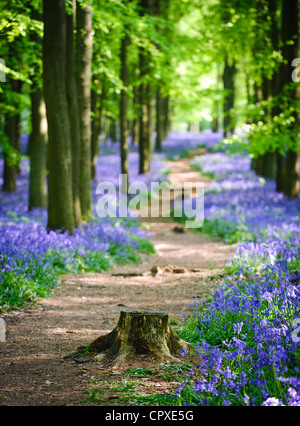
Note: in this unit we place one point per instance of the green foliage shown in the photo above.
(12, 155)
(17, 291)
(126, 389)
(39, 279)
(267, 132)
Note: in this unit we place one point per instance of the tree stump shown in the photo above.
(137, 333)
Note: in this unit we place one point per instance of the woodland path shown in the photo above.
(32, 371)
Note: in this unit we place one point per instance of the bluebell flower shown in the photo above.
(272, 402)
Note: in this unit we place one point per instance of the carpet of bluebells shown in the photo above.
(246, 334)
(31, 259)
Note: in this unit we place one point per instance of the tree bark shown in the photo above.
(292, 176)
(38, 140)
(10, 168)
(144, 124)
(215, 117)
(280, 172)
(144, 98)
(290, 51)
(135, 123)
(84, 41)
(73, 111)
(96, 106)
(12, 131)
(229, 87)
(123, 112)
(159, 124)
(136, 334)
(38, 193)
(166, 116)
(113, 130)
(60, 195)
(268, 165)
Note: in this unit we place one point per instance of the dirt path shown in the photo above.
(32, 371)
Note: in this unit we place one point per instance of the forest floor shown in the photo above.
(32, 369)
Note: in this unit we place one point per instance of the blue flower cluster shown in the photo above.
(32, 258)
(246, 335)
(240, 205)
(180, 143)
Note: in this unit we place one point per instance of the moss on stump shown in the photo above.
(137, 333)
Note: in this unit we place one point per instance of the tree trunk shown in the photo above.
(268, 159)
(290, 51)
(268, 165)
(73, 111)
(151, 108)
(273, 84)
(18, 137)
(144, 97)
(292, 177)
(229, 87)
(275, 91)
(215, 117)
(84, 41)
(144, 140)
(10, 167)
(136, 334)
(166, 116)
(38, 196)
(123, 112)
(113, 129)
(12, 131)
(135, 123)
(107, 129)
(280, 172)
(60, 196)
(38, 191)
(96, 106)
(159, 124)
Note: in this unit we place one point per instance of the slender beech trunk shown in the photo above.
(113, 134)
(151, 108)
(267, 88)
(96, 106)
(38, 140)
(12, 132)
(73, 111)
(144, 97)
(38, 194)
(229, 87)
(276, 88)
(12, 125)
(60, 195)
(268, 159)
(10, 168)
(159, 123)
(166, 116)
(135, 123)
(215, 117)
(106, 129)
(84, 41)
(290, 40)
(144, 142)
(18, 138)
(123, 112)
